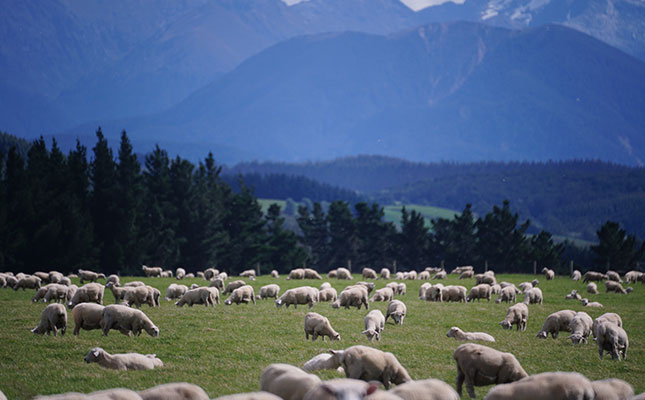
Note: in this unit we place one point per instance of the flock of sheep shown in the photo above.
(365, 367)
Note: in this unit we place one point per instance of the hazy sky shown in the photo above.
(415, 5)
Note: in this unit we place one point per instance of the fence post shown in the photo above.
(571, 268)
(257, 269)
(534, 267)
(485, 265)
(394, 267)
(349, 265)
(441, 264)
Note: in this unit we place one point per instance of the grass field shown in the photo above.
(224, 349)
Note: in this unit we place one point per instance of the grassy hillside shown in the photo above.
(224, 349)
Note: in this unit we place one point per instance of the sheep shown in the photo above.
(574, 295)
(200, 295)
(368, 285)
(485, 278)
(555, 323)
(323, 361)
(440, 275)
(328, 294)
(343, 273)
(53, 318)
(593, 276)
(458, 334)
(592, 288)
(479, 292)
(374, 325)
(435, 293)
(65, 281)
(548, 273)
(366, 363)
(233, 285)
(355, 296)
(249, 273)
(275, 274)
(369, 273)
(134, 284)
(116, 281)
(576, 275)
(87, 316)
(524, 286)
(461, 269)
(533, 296)
(454, 293)
(593, 304)
(479, 365)
(317, 325)
(189, 275)
(426, 389)
(91, 276)
(122, 362)
(209, 274)
(311, 274)
(174, 391)
(151, 271)
(495, 289)
(40, 293)
(423, 290)
(250, 396)
(269, 291)
(287, 382)
(401, 289)
(217, 283)
(109, 394)
(517, 314)
(606, 317)
(124, 318)
(410, 275)
(180, 273)
(580, 327)
(244, 294)
(613, 339)
(633, 276)
(88, 293)
(466, 274)
(613, 276)
(28, 282)
(332, 273)
(385, 273)
(613, 286)
(299, 295)
(54, 277)
(384, 294)
(175, 291)
(507, 295)
(394, 286)
(545, 386)
(424, 275)
(336, 389)
(57, 292)
(137, 296)
(397, 310)
(118, 292)
(166, 274)
(298, 273)
(612, 389)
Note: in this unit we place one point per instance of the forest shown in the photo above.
(108, 212)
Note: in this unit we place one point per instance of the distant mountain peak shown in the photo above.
(418, 5)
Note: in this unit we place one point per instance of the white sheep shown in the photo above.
(612, 389)
(401, 289)
(507, 295)
(299, 295)
(134, 284)
(180, 273)
(548, 273)
(397, 310)
(269, 291)
(613, 276)
(244, 294)
(495, 289)
(423, 290)
(613, 339)
(118, 292)
(174, 391)
(355, 296)
(466, 274)
(369, 273)
(332, 273)
(592, 288)
(57, 292)
(384, 294)
(368, 285)
(318, 325)
(574, 295)
(209, 273)
(374, 325)
(312, 274)
(555, 323)
(346, 389)
(124, 318)
(366, 363)
(137, 296)
(545, 386)
(435, 293)
(524, 286)
(580, 327)
(533, 296)
(479, 365)
(328, 294)
(218, 283)
(27, 282)
(91, 276)
(458, 334)
(233, 285)
(594, 276)
(175, 291)
(122, 362)
(385, 273)
(199, 295)
(87, 316)
(426, 389)
(343, 273)
(614, 286)
(53, 318)
(487, 277)
(440, 275)
(109, 394)
(592, 304)
(296, 273)
(455, 293)
(606, 317)
(287, 382)
(88, 293)
(633, 276)
(250, 396)
(275, 274)
(151, 271)
(481, 291)
(424, 275)
(323, 361)
(249, 273)
(517, 314)
(576, 275)
(325, 285)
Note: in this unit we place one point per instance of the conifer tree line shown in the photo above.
(107, 212)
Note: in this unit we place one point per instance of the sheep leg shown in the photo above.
(600, 350)
(459, 381)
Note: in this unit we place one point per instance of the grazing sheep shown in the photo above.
(580, 327)
(57, 292)
(594, 276)
(136, 296)
(90, 276)
(462, 269)
(209, 274)
(545, 386)
(458, 334)
(44, 276)
(485, 278)
(479, 292)
(180, 273)
(574, 295)
(122, 362)
(222, 275)
(427, 389)
(343, 273)
(384, 294)
(423, 290)
(152, 271)
(355, 296)
(317, 325)
(555, 323)
(533, 296)
(175, 291)
(250, 396)
(368, 285)
(614, 286)
(454, 293)
(109, 394)
(55, 277)
(189, 275)
(412, 275)
(424, 275)
(401, 289)
(88, 293)
(218, 283)
(328, 294)
(312, 274)
(495, 289)
(53, 318)
(613, 276)
(325, 285)
(369, 273)
(275, 274)
(119, 292)
(323, 361)
(297, 273)
(439, 275)
(269, 291)
(394, 286)
(613, 339)
(548, 273)
(27, 282)
(233, 285)
(40, 293)
(174, 391)
(576, 275)
(466, 274)
(517, 314)
(134, 284)
(593, 304)
(116, 281)
(633, 276)
(479, 365)
(299, 295)
(249, 273)
(341, 389)
(435, 293)
(166, 274)
(397, 310)
(385, 273)
(332, 273)
(244, 294)
(524, 286)
(606, 317)
(287, 382)
(366, 363)
(592, 288)
(374, 325)
(612, 389)
(507, 295)
(124, 318)
(87, 316)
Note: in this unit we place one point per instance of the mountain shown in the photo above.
(455, 91)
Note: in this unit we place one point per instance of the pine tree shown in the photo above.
(616, 249)
(373, 247)
(14, 239)
(413, 240)
(454, 241)
(282, 251)
(342, 234)
(315, 235)
(544, 251)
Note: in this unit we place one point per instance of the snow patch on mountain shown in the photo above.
(418, 5)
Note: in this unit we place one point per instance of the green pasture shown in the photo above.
(224, 349)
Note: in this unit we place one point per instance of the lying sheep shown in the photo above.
(53, 318)
(366, 363)
(555, 323)
(533, 296)
(613, 339)
(343, 273)
(576, 275)
(612, 389)
(88, 293)
(109, 394)
(174, 391)
(479, 292)
(250, 396)
(423, 289)
(317, 325)
(548, 273)
(458, 334)
(124, 318)
(269, 291)
(592, 288)
(287, 382)
(517, 314)
(175, 291)
(151, 271)
(312, 274)
(613, 276)
(580, 327)
(328, 294)
(249, 273)
(545, 386)
(355, 296)
(275, 274)
(574, 295)
(123, 362)
(427, 389)
(200, 295)
(606, 317)
(134, 284)
(384, 294)
(244, 294)
(299, 295)
(613, 286)
(479, 365)
(593, 304)
(397, 310)
(385, 273)
(507, 295)
(347, 389)
(454, 293)
(90, 276)
(594, 276)
(374, 325)
(27, 282)
(323, 361)
(233, 285)
(297, 273)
